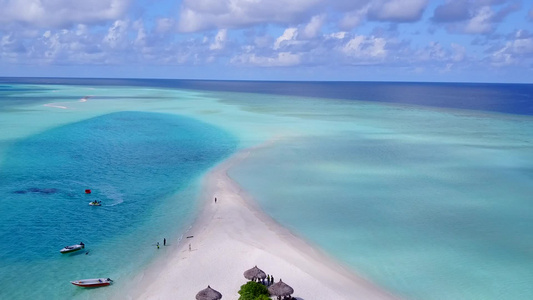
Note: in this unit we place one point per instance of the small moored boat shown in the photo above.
(95, 282)
(72, 248)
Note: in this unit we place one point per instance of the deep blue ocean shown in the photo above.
(423, 188)
(503, 98)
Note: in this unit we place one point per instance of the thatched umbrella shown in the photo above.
(254, 273)
(280, 289)
(208, 294)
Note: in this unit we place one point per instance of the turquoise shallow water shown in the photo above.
(430, 203)
(142, 166)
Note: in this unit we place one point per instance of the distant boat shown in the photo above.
(95, 203)
(95, 282)
(72, 248)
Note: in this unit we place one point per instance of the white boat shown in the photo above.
(95, 282)
(72, 248)
(95, 203)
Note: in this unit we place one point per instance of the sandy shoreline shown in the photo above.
(232, 236)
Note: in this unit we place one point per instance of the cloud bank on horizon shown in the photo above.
(448, 40)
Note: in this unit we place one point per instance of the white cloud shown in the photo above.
(199, 15)
(140, 39)
(53, 44)
(312, 29)
(337, 35)
(481, 22)
(220, 40)
(314, 33)
(352, 19)
(60, 13)
(365, 47)
(282, 59)
(433, 52)
(502, 58)
(475, 16)
(8, 43)
(518, 50)
(522, 46)
(117, 35)
(397, 10)
(82, 30)
(209, 14)
(288, 35)
(63, 47)
(354, 45)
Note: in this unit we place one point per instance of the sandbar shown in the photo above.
(234, 235)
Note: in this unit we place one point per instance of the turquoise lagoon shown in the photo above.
(428, 201)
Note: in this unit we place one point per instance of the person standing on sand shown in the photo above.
(215, 199)
(189, 247)
(164, 242)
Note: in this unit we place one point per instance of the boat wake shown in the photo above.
(113, 195)
(116, 203)
(84, 99)
(56, 105)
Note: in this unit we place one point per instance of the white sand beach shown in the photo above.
(232, 236)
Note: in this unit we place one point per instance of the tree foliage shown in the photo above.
(253, 291)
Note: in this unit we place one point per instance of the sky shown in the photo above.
(346, 40)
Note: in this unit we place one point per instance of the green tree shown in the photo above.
(252, 291)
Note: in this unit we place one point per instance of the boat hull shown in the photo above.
(70, 249)
(97, 282)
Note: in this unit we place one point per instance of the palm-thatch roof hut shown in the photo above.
(254, 273)
(208, 294)
(280, 289)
